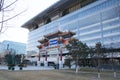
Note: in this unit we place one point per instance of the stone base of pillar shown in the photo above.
(38, 63)
(77, 69)
(46, 64)
(60, 64)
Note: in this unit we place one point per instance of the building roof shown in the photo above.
(59, 34)
(55, 8)
(43, 40)
(67, 34)
(53, 35)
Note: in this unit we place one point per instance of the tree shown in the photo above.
(10, 58)
(78, 51)
(67, 62)
(18, 58)
(13, 59)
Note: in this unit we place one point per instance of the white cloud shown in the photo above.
(15, 34)
(32, 7)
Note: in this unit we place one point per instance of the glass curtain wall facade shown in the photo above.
(96, 22)
(19, 48)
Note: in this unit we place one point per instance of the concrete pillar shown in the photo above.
(46, 63)
(38, 63)
(60, 64)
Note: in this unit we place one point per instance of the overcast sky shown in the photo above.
(32, 8)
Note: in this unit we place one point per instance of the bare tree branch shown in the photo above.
(1, 4)
(2, 19)
(4, 30)
(9, 5)
(3, 9)
(13, 16)
(8, 20)
(9, 10)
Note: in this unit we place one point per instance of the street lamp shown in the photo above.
(77, 64)
(98, 47)
(46, 63)
(76, 48)
(113, 65)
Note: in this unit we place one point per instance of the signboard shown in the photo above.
(52, 42)
(53, 51)
(42, 51)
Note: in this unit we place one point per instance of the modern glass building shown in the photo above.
(92, 20)
(19, 48)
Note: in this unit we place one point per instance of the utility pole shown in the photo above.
(98, 48)
(76, 49)
(77, 64)
(113, 65)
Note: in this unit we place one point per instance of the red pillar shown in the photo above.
(39, 57)
(46, 56)
(60, 54)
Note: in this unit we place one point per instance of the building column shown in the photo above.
(38, 62)
(60, 62)
(57, 62)
(60, 54)
(46, 63)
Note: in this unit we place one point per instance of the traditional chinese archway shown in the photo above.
(54, 40)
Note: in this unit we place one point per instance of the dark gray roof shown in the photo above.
(52, 10)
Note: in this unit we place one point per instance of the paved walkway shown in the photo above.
(3, 67)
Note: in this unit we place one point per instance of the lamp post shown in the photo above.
(46, 63)
(57, 63)
(61, 63)
(60, 51)
(77, 64)
(98, 47)
(59, 55)
(113, 65)
(76, 48)
(38, 58)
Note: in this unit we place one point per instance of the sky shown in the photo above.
(12, 29)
